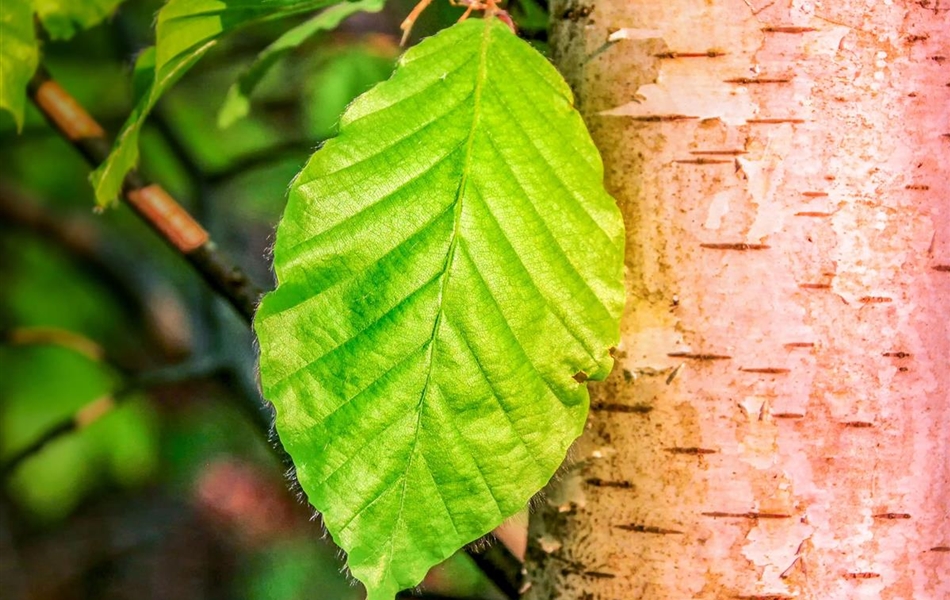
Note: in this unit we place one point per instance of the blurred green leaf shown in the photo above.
(43, 385)
(530, 15)
(446, 266)
(149, 85)
(93, 311)
(341, 78)
(296, 570)
(64, 18)
(19, 55)
(186, 29)
(237, 103)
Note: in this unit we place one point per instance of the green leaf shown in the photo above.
(19, 55)
(122, 447)
(185, 30)
(64, 18)
(237, 103)
(446, 266)
(530, 16)
(340, 78)
(149, 86)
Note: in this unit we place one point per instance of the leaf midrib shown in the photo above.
(446, 271)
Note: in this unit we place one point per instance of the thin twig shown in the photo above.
(152, 303)
(150, 201)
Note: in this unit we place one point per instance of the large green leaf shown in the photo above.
(185, 30)
(446, 266)
(64, 18)
(18, 55)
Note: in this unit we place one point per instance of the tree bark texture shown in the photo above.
(778, 421)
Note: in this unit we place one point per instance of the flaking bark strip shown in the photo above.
(640, 409)
(815, 286)
(787, 29)
(661, 118)
(699, 356)
(775, 121)
(675, 54)
(757, 80)
(598, 482)
(740, 246)
(746, 515)
(703, 161)
(690, 450)
(599, 575)
(735, 152)
(674, 373)
(638, 528)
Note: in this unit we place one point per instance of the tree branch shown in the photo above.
(152, 303)
(149, 201)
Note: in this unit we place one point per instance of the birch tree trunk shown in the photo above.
(778, 421)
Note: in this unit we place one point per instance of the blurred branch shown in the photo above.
(147, 300)
(93, 411)
(501, 567)
(150, 201)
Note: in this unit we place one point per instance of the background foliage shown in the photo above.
(176, 484)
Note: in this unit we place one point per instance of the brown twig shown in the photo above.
(149, 201)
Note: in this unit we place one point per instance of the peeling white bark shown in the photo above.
(778, 424)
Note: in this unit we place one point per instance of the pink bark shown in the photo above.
(778, 423)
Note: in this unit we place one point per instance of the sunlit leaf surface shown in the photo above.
(446, 267)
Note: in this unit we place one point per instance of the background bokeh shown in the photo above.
(174, 494)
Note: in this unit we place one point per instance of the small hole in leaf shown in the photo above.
(580, 377)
